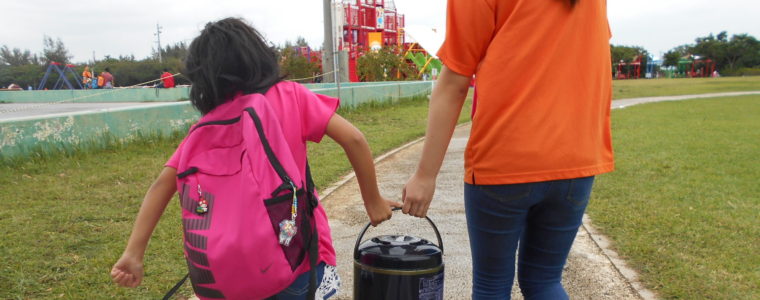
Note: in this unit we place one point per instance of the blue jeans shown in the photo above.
(300, 287)
(542, 216)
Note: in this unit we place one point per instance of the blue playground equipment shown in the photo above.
(650, 68)
(62, 78)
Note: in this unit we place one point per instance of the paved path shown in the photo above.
(633, 101)
(593, 271)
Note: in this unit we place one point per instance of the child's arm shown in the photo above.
(128, 271)
(358, 152)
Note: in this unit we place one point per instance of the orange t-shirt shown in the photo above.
(544, 80)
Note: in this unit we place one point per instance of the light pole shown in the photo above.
(328, 49)
(158, 36)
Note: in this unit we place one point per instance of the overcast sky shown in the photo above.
(106, 27)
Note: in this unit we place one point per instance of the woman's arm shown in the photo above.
(445, 105)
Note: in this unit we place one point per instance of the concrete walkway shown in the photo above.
(593, 271)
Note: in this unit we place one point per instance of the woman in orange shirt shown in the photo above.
(540, 133)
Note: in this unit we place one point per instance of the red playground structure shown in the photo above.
(691, 66)
(367, 24)
(630, 70)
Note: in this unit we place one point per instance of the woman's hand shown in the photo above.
(417, 195)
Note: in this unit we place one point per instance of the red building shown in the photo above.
(367, 24)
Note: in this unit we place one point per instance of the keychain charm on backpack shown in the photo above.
(288, 228)
(202, 207)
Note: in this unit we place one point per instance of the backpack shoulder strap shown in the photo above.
(176, 287)
(287, 183)
(313, 243)
(314, 240)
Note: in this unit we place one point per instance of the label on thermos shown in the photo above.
(431, 288)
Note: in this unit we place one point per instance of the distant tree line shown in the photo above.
(737, 55)
(27, 69)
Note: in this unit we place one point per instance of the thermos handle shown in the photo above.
(361, 235)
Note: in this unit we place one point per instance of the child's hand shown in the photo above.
(379, 210)
(128, 271)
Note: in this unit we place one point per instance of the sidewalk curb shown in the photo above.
(605, 245)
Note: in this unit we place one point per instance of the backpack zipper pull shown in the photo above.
(288, 228)
(202, 207)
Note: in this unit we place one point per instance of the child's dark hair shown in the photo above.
(229, 57)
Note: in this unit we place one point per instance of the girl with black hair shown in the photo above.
(227, 61)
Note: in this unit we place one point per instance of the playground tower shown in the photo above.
(364, 25)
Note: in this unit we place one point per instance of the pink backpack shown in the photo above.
(247, 213)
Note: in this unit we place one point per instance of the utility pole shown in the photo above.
(328, 51)
(158, 36)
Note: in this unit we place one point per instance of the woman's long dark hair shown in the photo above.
(229, 57)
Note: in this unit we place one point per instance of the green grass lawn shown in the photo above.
(66, 218)
(684, 86)
(683, 205)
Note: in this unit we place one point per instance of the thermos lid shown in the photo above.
(399, 252)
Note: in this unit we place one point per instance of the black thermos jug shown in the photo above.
(398, 267)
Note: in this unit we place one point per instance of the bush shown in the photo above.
(295, 66)
(384, 65)
(742, 72)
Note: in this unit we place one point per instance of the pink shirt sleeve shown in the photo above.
(316, 111)
(173, 161)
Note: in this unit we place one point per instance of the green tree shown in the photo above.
(301, 42)
(628, 54)
(293, 65)
(672, 57)
(16, 57)
(743, 51)
(739, 51)
(55, 51)
(23, 75)
(178, 50)
(384, 65)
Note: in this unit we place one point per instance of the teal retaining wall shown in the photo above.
(20, 136)
(352, 93)
(99, 95)
(355, 95)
